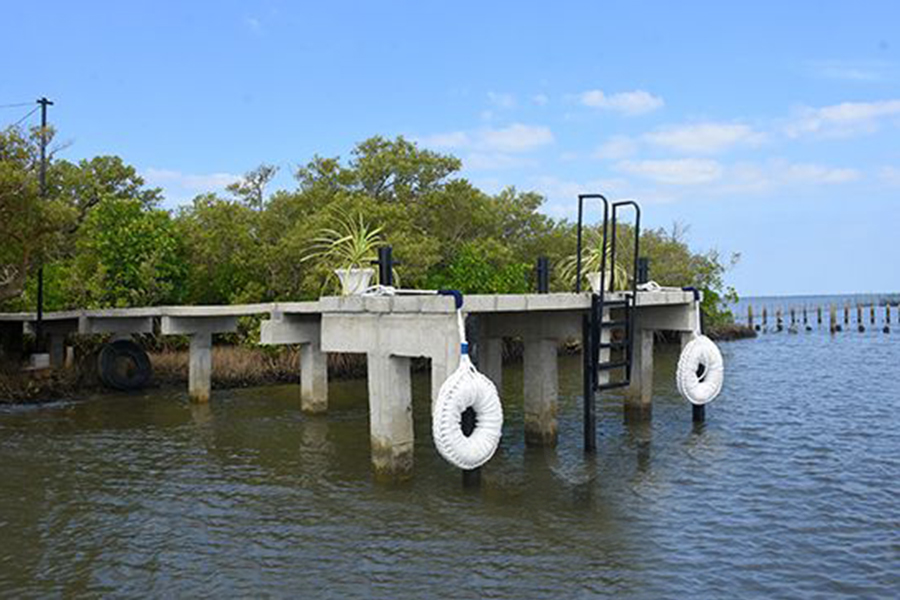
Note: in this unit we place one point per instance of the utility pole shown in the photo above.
(39, 326)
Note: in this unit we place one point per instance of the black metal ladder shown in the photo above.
(595, 322)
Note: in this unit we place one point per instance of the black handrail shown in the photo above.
(581, 199)
(637, 238)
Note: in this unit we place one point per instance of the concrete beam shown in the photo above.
(676, 317)
(117, 325)
(390, 415)
(542, 324)
(191, 325)
(541, 391)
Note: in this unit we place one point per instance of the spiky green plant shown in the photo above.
(350, 244)
(591, 261)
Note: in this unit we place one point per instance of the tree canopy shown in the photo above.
(105, 241)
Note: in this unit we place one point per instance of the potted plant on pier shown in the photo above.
(591, 263)
(349, 246)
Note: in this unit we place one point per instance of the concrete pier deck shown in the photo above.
(391, 330)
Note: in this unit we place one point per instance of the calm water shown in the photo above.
(791, 489)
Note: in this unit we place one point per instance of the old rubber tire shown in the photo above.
(123, 365)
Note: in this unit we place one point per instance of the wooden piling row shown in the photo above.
(833, 322)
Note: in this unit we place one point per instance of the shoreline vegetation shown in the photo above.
(103, 240)
(233, 366)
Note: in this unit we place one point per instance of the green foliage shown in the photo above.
(482, 268)
(104, 241)
(127, 255)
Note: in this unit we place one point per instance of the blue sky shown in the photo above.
(769, 128)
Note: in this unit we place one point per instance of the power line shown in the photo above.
(31, 112)
(15, 105)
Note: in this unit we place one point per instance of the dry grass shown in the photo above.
(238, 366)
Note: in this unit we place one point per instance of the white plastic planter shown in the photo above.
(354, 281)
(594, 279)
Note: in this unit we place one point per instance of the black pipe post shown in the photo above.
(698, 413)
(643, 270)
(385, 266)
(590, 417)
(543, 275)
(39, 325)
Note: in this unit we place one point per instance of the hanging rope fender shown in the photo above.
(701, 370)
(464, 439)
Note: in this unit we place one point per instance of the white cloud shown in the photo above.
(195, 182)
(890, 175)
(501, 100)
(181, 187)
(490, 161)
(632, 103)
(816, 174)
(617, 147)
(254, 25)
(852, 70)
(683, 171)
(749, 177)
(847, 118)
(540, 99)
(451, 139)
(516, 138)
(704, 138)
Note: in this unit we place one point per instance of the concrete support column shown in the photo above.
(200, 367)
(390, 415)
(313, 378)
(686, 337)
(490, 360)
(541, 391)
(56, 346)
(639, 395)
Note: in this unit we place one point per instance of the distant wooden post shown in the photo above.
(750, 315)
(859, 318)
(765, 316)
(805, 318)
(832, 316)
(887, 314)
(846, 314)
(779, 323)
(819, 313)
(872, 314)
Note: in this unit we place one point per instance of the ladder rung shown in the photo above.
(612, 365)
(612, 386)
(613, 303)
(610, 324)
(612, 345)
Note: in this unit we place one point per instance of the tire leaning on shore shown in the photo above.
(123, 365)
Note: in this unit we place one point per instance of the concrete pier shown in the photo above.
(391, 331)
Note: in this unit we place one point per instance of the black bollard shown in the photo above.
(543, 275)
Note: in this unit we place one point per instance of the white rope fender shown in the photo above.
(701, 370)
(466, 388)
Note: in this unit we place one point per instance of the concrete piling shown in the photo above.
(200, 367)
(541, 391)
(639, 395)
(390, 415)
